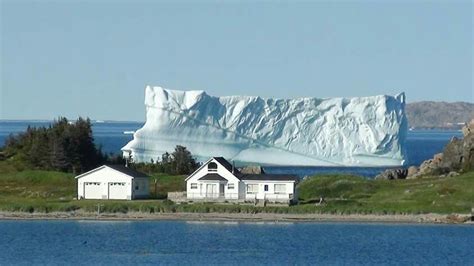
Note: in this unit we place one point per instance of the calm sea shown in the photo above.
(195, 243)
(183, 243)
(421, 145)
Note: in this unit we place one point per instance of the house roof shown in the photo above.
(271, 177)
(128, 171)
(222, 162)
(227, 165)
(239, 175)
(213, 177)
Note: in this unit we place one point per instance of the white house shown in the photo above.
(112, 182)
(218, 180)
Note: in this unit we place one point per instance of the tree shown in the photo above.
(183, 162)
(63, 146)
(180, 162)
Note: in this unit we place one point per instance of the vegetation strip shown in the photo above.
(39, 191)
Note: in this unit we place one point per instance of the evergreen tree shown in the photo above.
(62, 146)
(183, 162)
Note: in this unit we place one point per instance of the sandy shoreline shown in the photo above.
(241, 217)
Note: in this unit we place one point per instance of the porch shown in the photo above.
(204, 197)
(180, 197)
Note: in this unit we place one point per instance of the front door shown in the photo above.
(211, 190)
(221, 190)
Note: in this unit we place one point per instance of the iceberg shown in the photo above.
(360, 131)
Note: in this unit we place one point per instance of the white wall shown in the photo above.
(200, 192)
(270, 194)
(107, 175)
(239, 191)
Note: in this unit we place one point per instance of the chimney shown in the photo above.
(233, 166)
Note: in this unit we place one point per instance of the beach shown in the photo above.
(245, 217)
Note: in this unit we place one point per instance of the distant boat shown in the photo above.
(99, 121)
(129, 132)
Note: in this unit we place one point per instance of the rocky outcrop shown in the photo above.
(412, 171)
(391, 174)
(252, 169)
(457, 156)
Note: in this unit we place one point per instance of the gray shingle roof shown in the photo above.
(127, 171)
(227, 165)
(213, 177)
(272, 177)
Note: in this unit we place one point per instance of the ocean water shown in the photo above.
(208, 243)
(421, 145)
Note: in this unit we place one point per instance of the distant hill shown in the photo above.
(439, 114)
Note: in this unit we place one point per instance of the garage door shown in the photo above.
(92, 190)
(118, 190)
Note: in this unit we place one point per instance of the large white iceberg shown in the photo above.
(364, 131)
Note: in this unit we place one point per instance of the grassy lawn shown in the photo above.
(349, 194)
(166, 183)
(47, 191)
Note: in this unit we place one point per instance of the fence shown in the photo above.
(219, 197)
(230, 197)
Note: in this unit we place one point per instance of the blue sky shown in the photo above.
(94, 58)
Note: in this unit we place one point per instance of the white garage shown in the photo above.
(112, 182)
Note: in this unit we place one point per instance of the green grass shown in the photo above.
(355, 194)
(49, 191)
(166, 183)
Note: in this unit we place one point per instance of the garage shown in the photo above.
(117, 190)
(114, 182)
(92, 190)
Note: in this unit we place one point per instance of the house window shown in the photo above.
(194, 185)
(212, 167)
(230, 186)
(252, 188)
(280, 188)
(265, 188)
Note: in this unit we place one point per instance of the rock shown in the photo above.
(428, 167)
(456, 218)
(252, 169)
(412, 171)
(468, 128)
(452, 174)
(453, 154)
(391, 174)
(438, 158)
(458, 155)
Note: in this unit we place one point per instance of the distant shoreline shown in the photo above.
(107, 121)
(243, 217)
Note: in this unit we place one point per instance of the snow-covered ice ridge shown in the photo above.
(363, 131)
